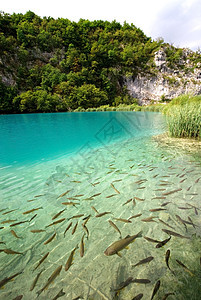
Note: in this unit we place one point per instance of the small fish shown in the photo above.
(37, 230)
(149, 219)
(50, 279)
(123, 220)
(18, 223)
(197, 180)
(128, 201)
(138, 297)
(171, 192)
(156, 288)
(8, 212)
(38, 196)
(167, 295)
(7, 221)
(86, 230)
(70, 203)
(165, 223)
(35, 280)
(10, 251)
(135, 216)
(76, 181)
(115, 227)
(157, 209)
(74, 228)
(68, 228)
(166, 203)
(162, 243)
(42, 260)
(123, 284)
(102, 214)
(181, 207)
(151, 240)
(82, 246)
(70, 259)
(7, 279)
(167, 256)
(139, 199)
(58, 214)
(50, 239)
(144, 261)
(18, 297)
(56, 222)
(110, 196)
(86, 219)
(14, 234)
(32, 217)
(94, 209)
(60, 294)
(175, 234)
(63, 194)
(95, 195)
(31, 210)
(115, 247)
(112, 185)
(143, 281)
(185, 268)
(192, 222)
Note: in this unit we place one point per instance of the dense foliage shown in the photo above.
(59, 65)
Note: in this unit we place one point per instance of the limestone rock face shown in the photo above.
(167, 82)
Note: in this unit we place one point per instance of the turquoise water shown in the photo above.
(81, 164)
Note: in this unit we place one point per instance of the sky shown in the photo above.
(176, 21)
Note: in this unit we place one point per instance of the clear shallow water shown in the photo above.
(139, 167)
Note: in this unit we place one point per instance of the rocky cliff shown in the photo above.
(168, 81)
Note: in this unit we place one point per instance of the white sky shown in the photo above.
(177, 21)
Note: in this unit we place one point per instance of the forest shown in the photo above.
(53, 65)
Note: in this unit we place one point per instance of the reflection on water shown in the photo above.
(58, 218)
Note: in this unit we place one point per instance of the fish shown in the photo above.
(151, 240)
(32, 217)
(10, 251)
(144, 281)
(166, 203)
(15, 234)
(135, 216)
(185, 268)
(63, 194)
(70, 203)
(7, 279)
(18, 297)
(8, 212)
(8, 221)
(156, 288)
(58, 214)
(192, 222)
(149, 219)
(86, 219)
(56, 222)
(18, 223)
(167, 256)
(144, 261)
(76, 181)
(180, 220)
(197, 180)
(31, 210)
(95, 195)
(50, 239)
(74, 228)
(138, 297)
(165, 223)
(102, 214)
(70, 259)
(175, 234)
(86, 229)
(117, 246)
(123, 284)
(167, 295)
(157, 209)
(171, 192)
(139, 199)
(60, 294)
(68, 228)
(1, 227)
(123, 220)
(162, 243)
(82, 246)
(41, 260)
(110, 196)
(79, 195)
(94, 209)
(37, 230)
(115, 227)
(50, 279)
(128, 201)
(35, 280)
(38, 196)
(112, 185)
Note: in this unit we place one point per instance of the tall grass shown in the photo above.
(184, 120)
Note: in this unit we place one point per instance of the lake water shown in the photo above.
(60, 168)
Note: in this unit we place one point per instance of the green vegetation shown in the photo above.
(49, 65)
